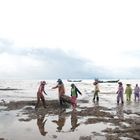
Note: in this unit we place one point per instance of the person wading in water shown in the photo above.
(40, 95)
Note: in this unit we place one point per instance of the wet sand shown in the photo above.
(92, 120)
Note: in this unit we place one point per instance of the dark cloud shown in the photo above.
(64, 65)
(44, 63)
(54, 63)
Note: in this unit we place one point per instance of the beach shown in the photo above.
(103, 120)
(69, 70)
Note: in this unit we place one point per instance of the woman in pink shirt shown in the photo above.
(40, 95)
(120, 92)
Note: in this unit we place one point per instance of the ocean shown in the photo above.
(16, 90)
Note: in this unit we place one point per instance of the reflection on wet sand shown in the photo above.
(61, 120)
(96, 103)
(41, 124)
(74, 120)
(119, 111)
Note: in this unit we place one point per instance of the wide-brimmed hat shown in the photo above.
(59, 80)
(95, 83)
(128, 84)
(72, 85)
(43, 82)
(120, 83)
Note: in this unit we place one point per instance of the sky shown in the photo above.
(76, 39)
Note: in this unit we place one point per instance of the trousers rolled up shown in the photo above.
(61, 101)
(74, 102)
(120, 97)
(38, 101)
(96, 95)
(128, 97)
(137, 95)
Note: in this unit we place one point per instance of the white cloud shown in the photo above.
(31, 63)
(96, 30)
(45, 63)
(71, 24)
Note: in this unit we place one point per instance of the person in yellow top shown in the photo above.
(96, 91)
(128, 92)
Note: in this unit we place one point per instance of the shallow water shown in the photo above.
(56, 127)
(67, 124)
(16, 126)
(26, 89)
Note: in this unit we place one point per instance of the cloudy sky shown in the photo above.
(69, 39)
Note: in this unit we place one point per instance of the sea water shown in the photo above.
(27, 89)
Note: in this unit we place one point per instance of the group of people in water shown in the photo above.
(61, 92)
(120, 92)
(75, 91)
(128, 91)
(73, 100)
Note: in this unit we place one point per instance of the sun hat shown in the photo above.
(128, 84)
(72, 85)
(120, 83)
(59, 80)
(43, 82)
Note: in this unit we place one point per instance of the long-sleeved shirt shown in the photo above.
(61, 89)
(97, 88)
(128, 90)
(74, 91)
(41, 90)
(136, 89)
(120, 90)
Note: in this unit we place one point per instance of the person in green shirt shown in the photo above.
(128, 92)
(74, 95)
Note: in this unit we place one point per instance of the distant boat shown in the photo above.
(8, 88)
(74, 80)
(108, 81)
